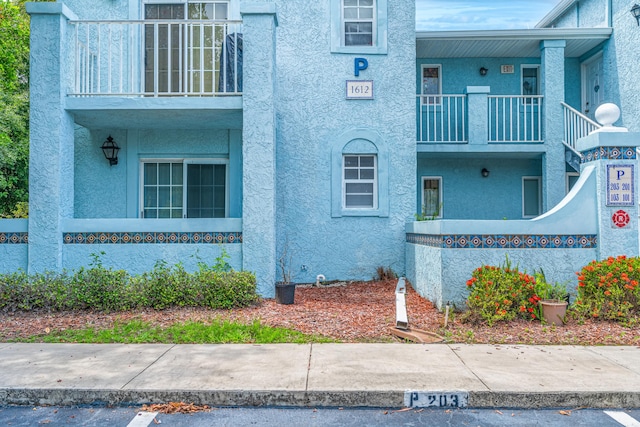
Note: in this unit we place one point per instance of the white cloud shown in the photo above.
(438, 15)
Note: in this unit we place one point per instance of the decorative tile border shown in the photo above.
(14, 238)
(506, 241)
(610, 153)
(151, 238)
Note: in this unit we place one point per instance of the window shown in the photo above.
(431, 197)
(572, 178)
(530, 83)
(184, 189)
(183, 57)
(358, 22)
(359, 182)
(359, 26)
(431, 84)
(531, 196)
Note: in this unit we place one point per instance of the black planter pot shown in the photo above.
(285, 293)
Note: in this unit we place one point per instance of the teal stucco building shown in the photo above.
(309, 133)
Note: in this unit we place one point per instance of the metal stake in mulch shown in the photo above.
(402, 328)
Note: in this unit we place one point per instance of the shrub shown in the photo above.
(107, 289)
(609, 289)
(501, 294)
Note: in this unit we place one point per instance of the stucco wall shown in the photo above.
(620, 53)
(312, 114)
(13, 246)
(104, 191)
(499, 196)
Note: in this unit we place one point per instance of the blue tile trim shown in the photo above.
(14, 238)
(610, 153)
(506, 241)
(151, 238)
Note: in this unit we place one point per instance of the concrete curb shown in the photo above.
(373, 399)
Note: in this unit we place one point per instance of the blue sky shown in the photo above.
(437, 15)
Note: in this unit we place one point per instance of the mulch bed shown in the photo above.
(349, 312)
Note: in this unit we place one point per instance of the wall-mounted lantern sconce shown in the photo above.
(110, 150)
(484, 172)
(483, 71)
(635, 11)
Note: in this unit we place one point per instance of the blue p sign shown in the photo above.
(359, 64)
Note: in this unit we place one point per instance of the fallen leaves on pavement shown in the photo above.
(175, 408)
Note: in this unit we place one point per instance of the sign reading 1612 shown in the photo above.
(359, 89)
(620, 185)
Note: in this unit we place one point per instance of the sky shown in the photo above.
(454, 15)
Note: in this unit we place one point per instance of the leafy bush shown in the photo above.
(609, 289)
(106, 289)
(501, 294)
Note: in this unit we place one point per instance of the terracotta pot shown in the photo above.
(553, 311)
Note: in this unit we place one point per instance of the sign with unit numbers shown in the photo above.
(620, 185)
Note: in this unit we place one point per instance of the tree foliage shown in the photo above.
(14, 113)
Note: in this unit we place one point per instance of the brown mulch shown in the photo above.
(349, 312)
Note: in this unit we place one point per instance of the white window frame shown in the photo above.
(537, 89)
(373, 20)
(374, 181)
(185, 162)
(423, 202)
(436, 99)
(190, 44)
(568, 180)
(539, 180)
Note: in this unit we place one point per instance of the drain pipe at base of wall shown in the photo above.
(320, 277)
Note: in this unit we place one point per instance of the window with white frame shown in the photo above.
(530, 83)
(183, 57)
(359, 22)
(359, 181)
(572, 178)
(184, 188)
(431, 84)
(531, 196)
(431, 197)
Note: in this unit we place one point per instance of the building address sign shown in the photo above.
(620, 185)
(359, 89)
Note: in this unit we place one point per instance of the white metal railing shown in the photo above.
(515, 119)
(576, 125)
(157, 58)
(442, 118)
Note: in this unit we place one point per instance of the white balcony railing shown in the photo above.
(442, 118)
(576, 125)
(157, 58)
(515, 119)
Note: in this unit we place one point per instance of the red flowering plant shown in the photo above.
(610, 290)
(501, 294)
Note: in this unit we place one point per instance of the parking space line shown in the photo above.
(625, 419)
(142, 419)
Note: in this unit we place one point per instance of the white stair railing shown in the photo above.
(576, 125)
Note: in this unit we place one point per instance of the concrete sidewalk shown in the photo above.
(348, 375)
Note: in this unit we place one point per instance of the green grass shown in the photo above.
(215, 332)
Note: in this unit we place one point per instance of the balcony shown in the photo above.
(508, 119)
(157, 74)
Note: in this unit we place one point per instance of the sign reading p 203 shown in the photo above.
(620, 185)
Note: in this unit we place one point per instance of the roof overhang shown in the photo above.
(506, 43)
